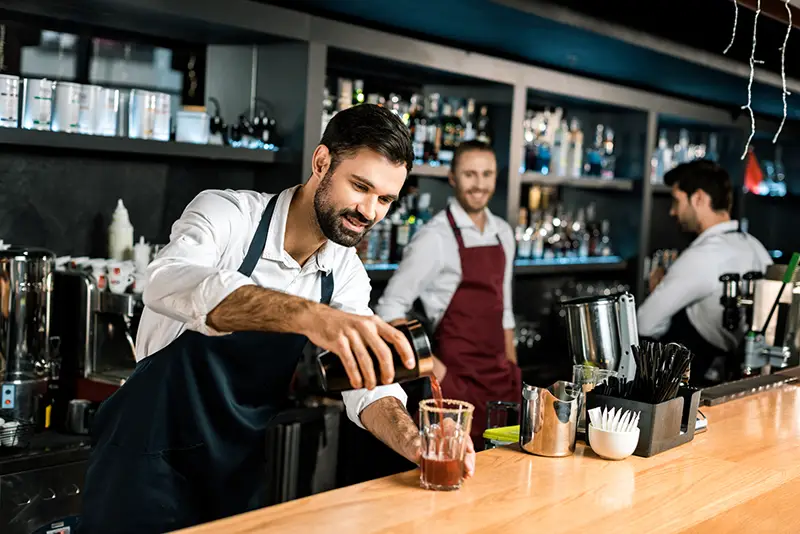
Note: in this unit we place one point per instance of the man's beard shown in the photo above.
(465, 201)
(330, 219)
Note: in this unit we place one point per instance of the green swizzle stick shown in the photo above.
(787, 278)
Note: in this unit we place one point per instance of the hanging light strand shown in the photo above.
(783, 69)
(753, 61)
(735, 23)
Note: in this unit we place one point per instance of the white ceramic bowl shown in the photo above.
(613, 445)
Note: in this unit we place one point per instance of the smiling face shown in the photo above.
(474, 178)
(355, 194)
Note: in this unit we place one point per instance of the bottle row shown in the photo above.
(559, 233)
(666, 156)
(555, 146)
(437, 124)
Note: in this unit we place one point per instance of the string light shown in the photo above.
(753, 61)
(735, 22)
(783, 68)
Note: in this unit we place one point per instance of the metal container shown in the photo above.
(549, 419)
(25, 290)
(9, 101)
(79, 416)
(142, 114)
(602, 330)
(161, 123)
(67, 107)
(37, 104)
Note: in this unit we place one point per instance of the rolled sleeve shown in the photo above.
(352, 295)
(185, 282)
(357, 400)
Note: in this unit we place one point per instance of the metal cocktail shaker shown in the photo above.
(333, 377)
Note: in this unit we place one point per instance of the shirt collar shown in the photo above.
(463, 220)
(717, 229)
(273, 250)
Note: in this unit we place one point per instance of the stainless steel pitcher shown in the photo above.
(549, 419)
(601, 331)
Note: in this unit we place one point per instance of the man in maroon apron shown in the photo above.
(460, 265)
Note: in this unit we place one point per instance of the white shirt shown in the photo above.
(431, 266)
(199, 268)
(692, 282)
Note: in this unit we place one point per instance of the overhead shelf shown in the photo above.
(124, 145)
(584, 182)
(566, 266)
(661, 189)
(431, 171)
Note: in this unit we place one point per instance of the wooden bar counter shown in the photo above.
(742, 475)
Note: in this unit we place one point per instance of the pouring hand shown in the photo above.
(655, 278)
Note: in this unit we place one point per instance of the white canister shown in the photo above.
(99, 108)
(161, 125)
(67, 107)
(9, 101)
(141, 114)
(192, 127)
(37, 104)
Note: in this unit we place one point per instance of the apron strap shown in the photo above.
(259, 239)
(457, 231)
(327, 288)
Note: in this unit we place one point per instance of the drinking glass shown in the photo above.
(601, 376)
(444, 430)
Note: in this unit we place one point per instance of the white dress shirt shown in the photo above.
(692, 282)
(431, 266)
(199, 268)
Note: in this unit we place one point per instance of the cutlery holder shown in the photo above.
(663, 426)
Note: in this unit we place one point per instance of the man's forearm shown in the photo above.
(389, 421)
(257, 308)
(511, 350)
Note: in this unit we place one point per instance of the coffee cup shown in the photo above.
(97, 269)
(120, 277)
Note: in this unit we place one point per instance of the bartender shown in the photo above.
(684, 303)
(246, 279)
(460, 267)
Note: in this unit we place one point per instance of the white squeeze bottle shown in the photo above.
(120, 234)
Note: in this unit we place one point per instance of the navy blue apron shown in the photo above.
(182, 442)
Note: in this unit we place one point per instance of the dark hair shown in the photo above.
(368, 126)
(706, 175)
(469, 146)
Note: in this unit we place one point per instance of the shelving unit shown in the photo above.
(584, 182)
(431, 171)
(18, 137)
(381, 272)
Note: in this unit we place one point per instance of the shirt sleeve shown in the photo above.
(185, 281)
(687, 281)
(509, 244)
(421, 261)
(352, 295)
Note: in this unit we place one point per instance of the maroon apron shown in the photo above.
(470, 338)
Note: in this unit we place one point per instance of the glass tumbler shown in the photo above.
(444, 432)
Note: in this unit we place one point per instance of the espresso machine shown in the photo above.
(26, 278)
(601, 331)
(763, 310)
(97, 329)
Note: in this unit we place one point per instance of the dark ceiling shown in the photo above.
(490, 27)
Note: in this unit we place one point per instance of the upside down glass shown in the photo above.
(444, 432)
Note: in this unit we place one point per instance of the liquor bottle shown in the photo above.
(575, 156)
(418, 125)
(662, 159)
(522, 235)
(542, 142)
(604, 248)
(712, 152)
(560, 151)
(327, 108)
(345, 93)
(778, 185)
(433, 136)
(470, 121)
(449, 135)
(529, 137)
(594, 155)
(608, 156)
(581, 236)
(681, 154)
(401, 231)
(593, 228)
(484, 127)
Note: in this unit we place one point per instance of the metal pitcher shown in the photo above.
(549, 419)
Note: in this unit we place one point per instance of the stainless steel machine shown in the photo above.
(25, 292)
(601, 331)
(764, 312)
